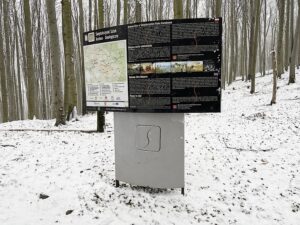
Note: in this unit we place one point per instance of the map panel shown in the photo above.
(106, 74)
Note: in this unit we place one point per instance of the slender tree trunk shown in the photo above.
(243, 48)
(255, 44)
(207, 8)
(177, 7)
(96, 23)
(295, 47)
(29, 70)
(161, 9)
(259, 54)
(118, 11)
(70, 93)
(196, 2)
(281, 10)
(232, 40)
(101, 14)
(90, 13)
(100, 114)
(218, 6)
(236, 44)
(251, 40)
(187, 9)
(264, 39)
(18, 56)
(81, 30)
(125, 11)
(9, 71)
(138, 11)
(273, 101)
(40, 107)
(287, 48)
(3, 78)
(57, 88)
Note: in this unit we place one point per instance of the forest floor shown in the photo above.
(242, 167)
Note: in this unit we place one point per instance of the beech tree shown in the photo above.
(281, 10)
(177, 9)
(70, 92)
(3, 79)
(295, 47)
(57, 88)
(29, 70)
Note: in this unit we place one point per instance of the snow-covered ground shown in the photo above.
(242, 167)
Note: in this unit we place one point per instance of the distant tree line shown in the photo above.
(41, 53)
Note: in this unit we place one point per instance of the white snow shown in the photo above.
(242, 167)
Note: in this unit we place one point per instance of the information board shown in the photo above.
(161, 66)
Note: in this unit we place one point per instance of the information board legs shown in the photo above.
(182, 191)
(117, 183)
(149, 149)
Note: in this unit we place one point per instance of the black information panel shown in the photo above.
(172, 66)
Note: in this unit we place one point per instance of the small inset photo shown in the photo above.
(209, 66)
(194, 66)
(178, 67)
(147, 68)
(163, 67)
(134, 69)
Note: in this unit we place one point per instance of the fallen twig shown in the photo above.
(12, 146)
(48, 130)
(248, 150)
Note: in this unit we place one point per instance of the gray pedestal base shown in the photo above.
(149, 149)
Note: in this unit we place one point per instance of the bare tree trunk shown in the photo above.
(243, 48)
(232, 40)
(161, 9)
(218, 7)
(259, 54)
(281, 9)
(81, 30)
(70, 93)
(273, 101)
(188, 9)
(264, 39)
(138, 11)
(101, 14)
(40, 107)
(295, 47)
(207, 8)
(118, 11)
(236, 43)
(125, 11)
(177, 7)
(18, 56)
(100, 114)
(9, 70)
(3, 78)
(96, 24)
(30, 74)
(256, 24)
(287, 48)
(90, 12)
(57, 88)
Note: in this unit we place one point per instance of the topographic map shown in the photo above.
(106, 74)
(106, 62)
